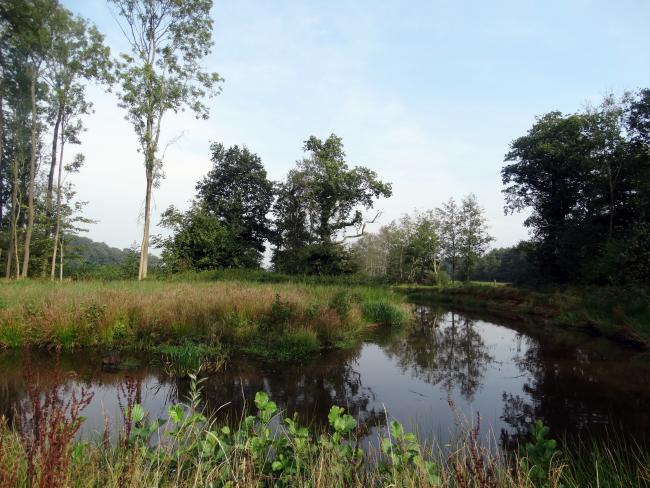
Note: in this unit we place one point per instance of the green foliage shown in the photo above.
(537, 455)
(321, 198)
(584, 179)
(384, 313)
(198, 241)
(404, 452)
(182, 360)
(341, 302)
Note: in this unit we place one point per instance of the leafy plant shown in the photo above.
(538, 454)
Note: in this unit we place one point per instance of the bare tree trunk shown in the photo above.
(144, 248)
(10, 253)
(15, 213)
(50, 178)
(58, 208)
(2, 159)
(32, 179)
(61, 262)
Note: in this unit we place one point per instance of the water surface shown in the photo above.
(449, 365)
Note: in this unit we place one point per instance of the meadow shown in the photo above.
(283, 321)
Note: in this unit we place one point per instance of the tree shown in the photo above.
(168, 40)
(77, 54)
(473, 238)
(584, 176)
(198, 240)
(548, 173)
(449, 217)
(320, 199)
(29, 27)
(237, 192)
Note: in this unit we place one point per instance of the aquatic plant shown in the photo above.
(384, 312)
(180, 361)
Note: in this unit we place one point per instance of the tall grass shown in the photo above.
(280, 321)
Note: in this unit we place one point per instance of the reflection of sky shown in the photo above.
(411, 374)
(424, 406)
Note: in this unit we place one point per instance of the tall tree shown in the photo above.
(449, 217)
(474, 237)
(77, 54)
(30, 26)
(321, 199)
(548, 173)
(163, 73)
(227, 225)
(238, 192)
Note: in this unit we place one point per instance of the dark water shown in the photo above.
(511, 374)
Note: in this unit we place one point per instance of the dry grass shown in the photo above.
(153, 313)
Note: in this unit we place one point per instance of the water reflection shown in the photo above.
(512, 374)
(443, 349)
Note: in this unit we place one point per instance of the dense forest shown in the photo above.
(582, 177)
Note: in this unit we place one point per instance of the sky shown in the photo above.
(429, 94)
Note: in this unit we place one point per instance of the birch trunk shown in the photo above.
(32, 178)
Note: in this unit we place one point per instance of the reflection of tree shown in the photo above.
(308, 390)
(443, 348)
(576, 388)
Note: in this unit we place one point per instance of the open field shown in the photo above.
(285, 321)
(622, 314)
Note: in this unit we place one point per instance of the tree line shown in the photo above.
(48, 56)
(433, 246)
(307, 218)
(584, 178)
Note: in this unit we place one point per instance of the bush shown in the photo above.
(384, 313)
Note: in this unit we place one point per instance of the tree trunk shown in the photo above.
(58, 209)
(15, 213)
(144, 248)
(32, 178)
(61, 262)
(2, 159)
(50, 177)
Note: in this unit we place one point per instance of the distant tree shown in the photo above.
(319, 201)
(473, 237)
(423, 249)
(237, 192)
(449, 218)
(507, 264)
(168, 40)
(198, 240)
(227, 225)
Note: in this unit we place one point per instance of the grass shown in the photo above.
(620, 313)
(280, 321)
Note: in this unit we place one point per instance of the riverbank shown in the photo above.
(621, 314)
(274, 321)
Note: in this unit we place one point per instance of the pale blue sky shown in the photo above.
(428, 94)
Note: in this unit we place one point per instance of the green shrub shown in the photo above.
(384, 313)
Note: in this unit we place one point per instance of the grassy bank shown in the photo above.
(271, 449)
(275, 321)
(622, 314)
